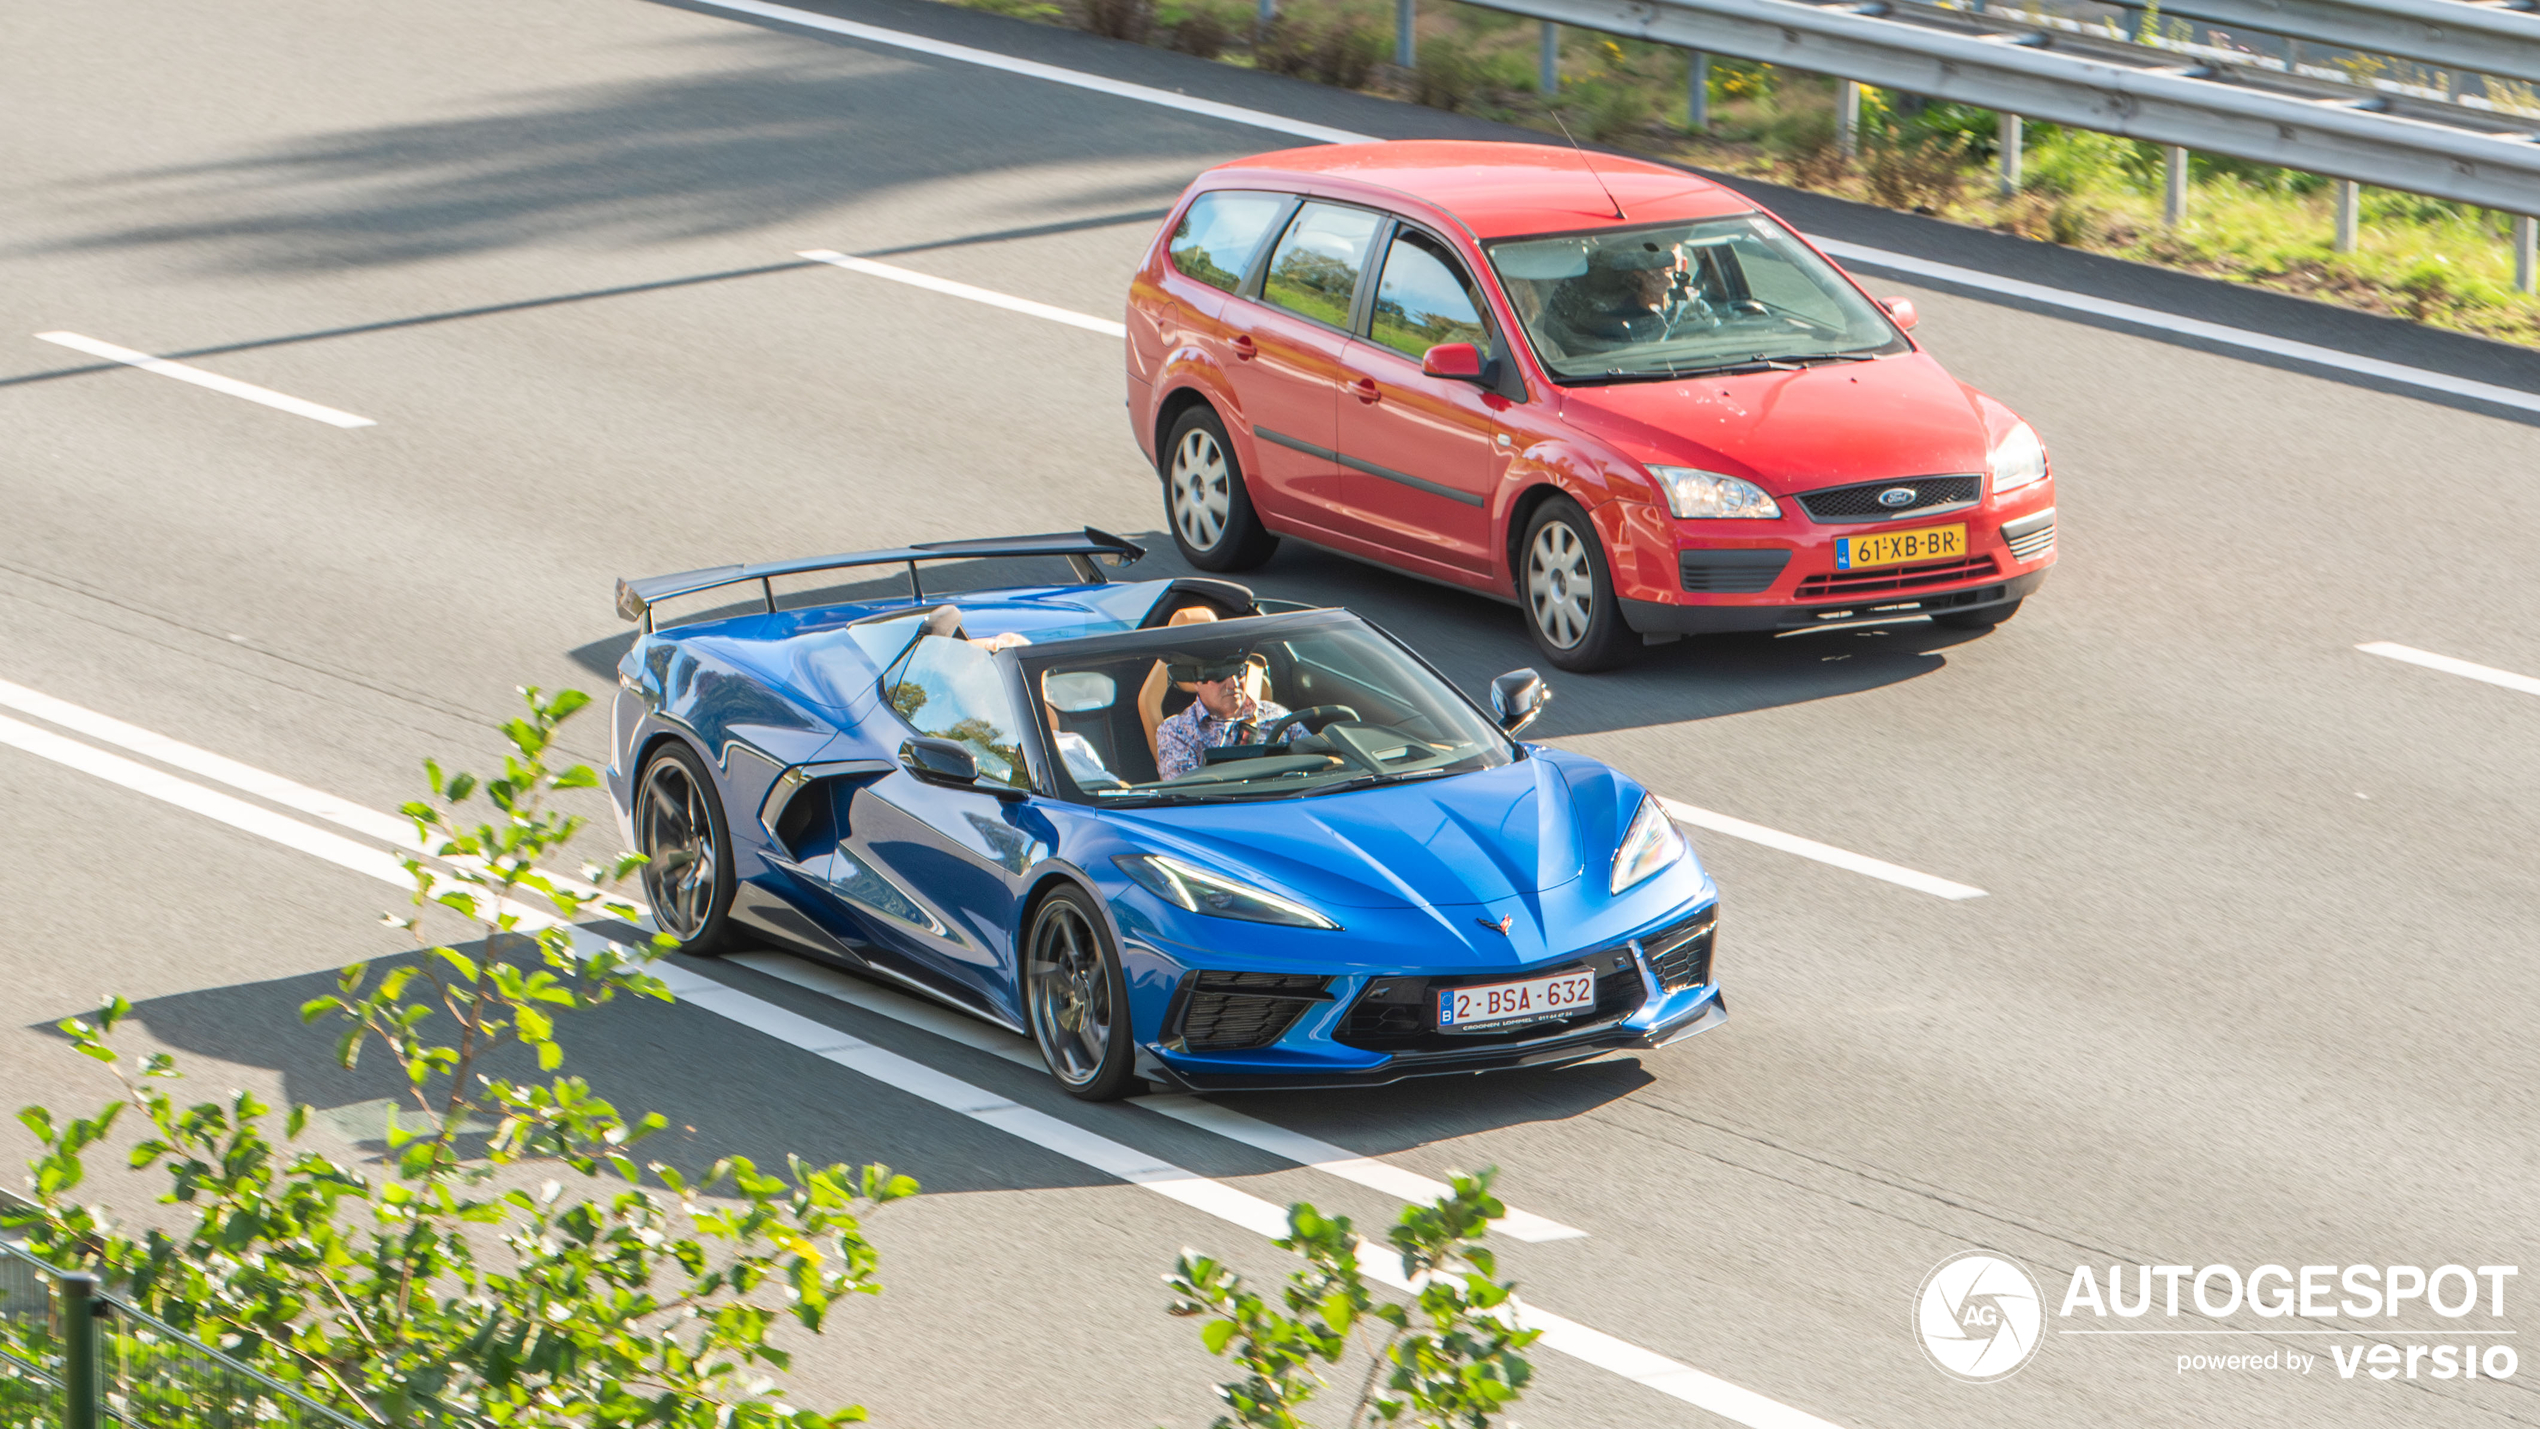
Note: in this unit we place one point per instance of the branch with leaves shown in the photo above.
(617, 1293)
(1451, 1358)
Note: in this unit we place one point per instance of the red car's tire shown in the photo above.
(1567, 591)
(1205, 504)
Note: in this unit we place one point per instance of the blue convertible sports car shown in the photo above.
(1331, 868)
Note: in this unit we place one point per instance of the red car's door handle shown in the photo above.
(1364, 389)
(1243, 346)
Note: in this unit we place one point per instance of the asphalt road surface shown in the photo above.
(2251, 979)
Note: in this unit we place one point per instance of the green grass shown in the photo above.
(2448, 265)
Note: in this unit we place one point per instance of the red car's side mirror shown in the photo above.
(1459, 360)
(1901, 309)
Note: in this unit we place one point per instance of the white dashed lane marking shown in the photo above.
(231, 386)
(2486, 674)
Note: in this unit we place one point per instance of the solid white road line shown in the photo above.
(993, 299)
(1684, 813)
(989, 59)
(2445, 663)
(2185, 327)
(200, 378)
(2153, 318)
(1339, 1161)
(210, 803)
(1112, 1158)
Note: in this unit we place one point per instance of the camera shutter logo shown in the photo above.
(1978, 1316)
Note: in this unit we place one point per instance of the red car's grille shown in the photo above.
(1841, 583)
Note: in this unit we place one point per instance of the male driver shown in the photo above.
(1621, 300)
(1225, 711)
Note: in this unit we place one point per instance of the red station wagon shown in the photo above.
(1618, 393)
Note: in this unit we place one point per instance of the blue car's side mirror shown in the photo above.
(1517, 697)
(939, 761)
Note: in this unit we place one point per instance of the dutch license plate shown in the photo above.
(1897, 548)
(1515, 1001)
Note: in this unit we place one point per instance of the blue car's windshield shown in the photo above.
(1248, 710)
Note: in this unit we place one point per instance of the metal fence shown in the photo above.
(2022, 63)
(74, 1357)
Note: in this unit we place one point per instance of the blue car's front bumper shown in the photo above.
(1373, 1025)
(1684, 1014)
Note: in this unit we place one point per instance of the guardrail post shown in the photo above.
(2349, 200)
(2526, 253)
(80, 1377)
(1847, 117)
(1548, 62)
(1698, 91)
(1406, 39)
(2008, 139)
(1264, 13)
(2174, 187)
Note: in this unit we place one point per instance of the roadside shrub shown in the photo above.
(1342, 49)
(1130, 20)
(1446, 76)
(1925, 175)
(1200, 29)
(1017, 9)
(1606, 109)
(2427, 287)
(2070, 161)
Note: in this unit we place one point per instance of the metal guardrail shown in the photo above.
(2151, 96)
(2449, 34)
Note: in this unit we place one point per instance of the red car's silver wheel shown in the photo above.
(1560, 585)
(1203, 498)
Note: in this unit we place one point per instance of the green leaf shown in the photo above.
(1216, 1335)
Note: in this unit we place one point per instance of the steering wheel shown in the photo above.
(1271, 732)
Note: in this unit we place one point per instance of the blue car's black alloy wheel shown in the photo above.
(678, 829)
(1079, 999)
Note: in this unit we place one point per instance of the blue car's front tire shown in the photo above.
(1078, 997)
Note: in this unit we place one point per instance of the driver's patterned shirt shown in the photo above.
(1182, 739)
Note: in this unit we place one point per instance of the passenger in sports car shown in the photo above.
(1228, 710)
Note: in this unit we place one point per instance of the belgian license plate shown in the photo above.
(1897, 548)
(1516, 1001)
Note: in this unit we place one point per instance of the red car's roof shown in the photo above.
(1503, 190)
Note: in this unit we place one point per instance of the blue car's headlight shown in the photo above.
(1649, 845)
(1200, 891)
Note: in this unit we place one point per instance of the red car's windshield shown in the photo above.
(1678, 299)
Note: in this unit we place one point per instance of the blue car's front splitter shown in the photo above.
(1673, 1018)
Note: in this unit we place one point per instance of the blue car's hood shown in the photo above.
(1470, 838)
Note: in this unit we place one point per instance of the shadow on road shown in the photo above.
(725, 1091)
(761, 131)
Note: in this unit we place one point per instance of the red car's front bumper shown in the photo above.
(1693, 577)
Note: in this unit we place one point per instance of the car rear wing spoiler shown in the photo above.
(1081, 549)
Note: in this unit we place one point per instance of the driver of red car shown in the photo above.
(1231, 705)
(1622, 299)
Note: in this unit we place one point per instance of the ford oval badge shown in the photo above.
(1897, 497)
